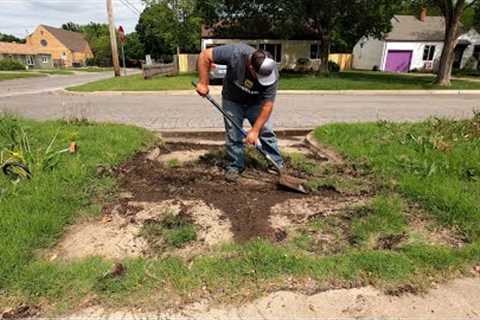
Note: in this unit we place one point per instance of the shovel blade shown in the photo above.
(293, 183)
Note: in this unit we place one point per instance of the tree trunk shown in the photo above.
(444, 73)
(325, 54)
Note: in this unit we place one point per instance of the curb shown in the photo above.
(284, 92)
(323, 150)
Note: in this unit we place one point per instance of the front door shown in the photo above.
(398, 61)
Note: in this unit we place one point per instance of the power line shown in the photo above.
(130, 7)
(133, 6)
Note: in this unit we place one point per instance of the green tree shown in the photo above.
(70, 26)
(10, 38)
(134, 48)
(166, 26)
(323, 20)
(476, 17)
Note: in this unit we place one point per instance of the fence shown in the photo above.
(187, 62)
(149, 71)
(344, 60)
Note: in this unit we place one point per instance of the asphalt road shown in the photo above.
(160, 112)
(49, 83)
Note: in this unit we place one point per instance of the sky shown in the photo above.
(21, 17)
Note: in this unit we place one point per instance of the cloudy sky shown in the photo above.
(18, 17)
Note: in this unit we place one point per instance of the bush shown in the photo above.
(90, 62)
(11, 65)
(333, 67)
(471, 64)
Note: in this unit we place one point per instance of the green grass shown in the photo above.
(173, 231)
(17, 75)
(92, 69)
(33, 213)
(434, 163)
(137, 83)
(354, 80)
(53, 71)
(385, 217)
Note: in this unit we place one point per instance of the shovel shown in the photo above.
(286, 181)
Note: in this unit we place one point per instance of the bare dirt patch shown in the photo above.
(151, 188)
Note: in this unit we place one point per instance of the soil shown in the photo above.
(182, 178)
(247, 206)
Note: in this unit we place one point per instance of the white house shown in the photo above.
(413, 43)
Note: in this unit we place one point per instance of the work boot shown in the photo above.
(232, 176)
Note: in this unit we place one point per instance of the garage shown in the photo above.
(398, 61)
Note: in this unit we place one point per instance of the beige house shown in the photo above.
(25, 54)
(67, 48)
(287, 52)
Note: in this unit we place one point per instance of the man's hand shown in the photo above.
(252, 137)
(202, 89)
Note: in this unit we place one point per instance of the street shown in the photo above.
(166, 112)
(48, 83)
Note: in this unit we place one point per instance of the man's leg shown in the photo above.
(268, 137)
(233, 138)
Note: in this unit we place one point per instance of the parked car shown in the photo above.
(217, 73)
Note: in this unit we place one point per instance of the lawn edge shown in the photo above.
(217, 91)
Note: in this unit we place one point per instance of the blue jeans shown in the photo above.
(234, 139)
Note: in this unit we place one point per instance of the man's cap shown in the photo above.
(265, 67)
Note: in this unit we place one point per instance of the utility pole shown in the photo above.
(113, 39)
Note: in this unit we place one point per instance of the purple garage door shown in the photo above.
(398, 61)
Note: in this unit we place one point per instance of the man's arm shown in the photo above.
(254, 133)
(205, 60)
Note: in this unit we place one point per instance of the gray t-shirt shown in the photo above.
(239, 85)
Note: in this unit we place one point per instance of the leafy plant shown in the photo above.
(17, 157)
(11, 65)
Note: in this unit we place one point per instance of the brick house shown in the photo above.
(67, 48)
(25, 54)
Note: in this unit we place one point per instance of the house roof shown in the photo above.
(72, 40)
(410, 28)
(209, 32)
(16, 48)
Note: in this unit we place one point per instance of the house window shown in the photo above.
(44, 42)
(428, 53)
(315, 52)
(29, 60)
(274, 49)
(44, 59)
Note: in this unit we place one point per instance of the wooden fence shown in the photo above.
(164, 69)
(344, 60)
(187, 62)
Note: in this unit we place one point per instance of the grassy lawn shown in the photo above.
(92, 69)
(34, 213)
(367, 81)
(137, 83)
(17, 75)
(338, 81)
(53, 71)
(432, 167)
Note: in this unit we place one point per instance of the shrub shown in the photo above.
(333, 67)
(11, 65)
(471, 64)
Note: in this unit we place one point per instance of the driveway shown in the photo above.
(49, 83)
(161, 112)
